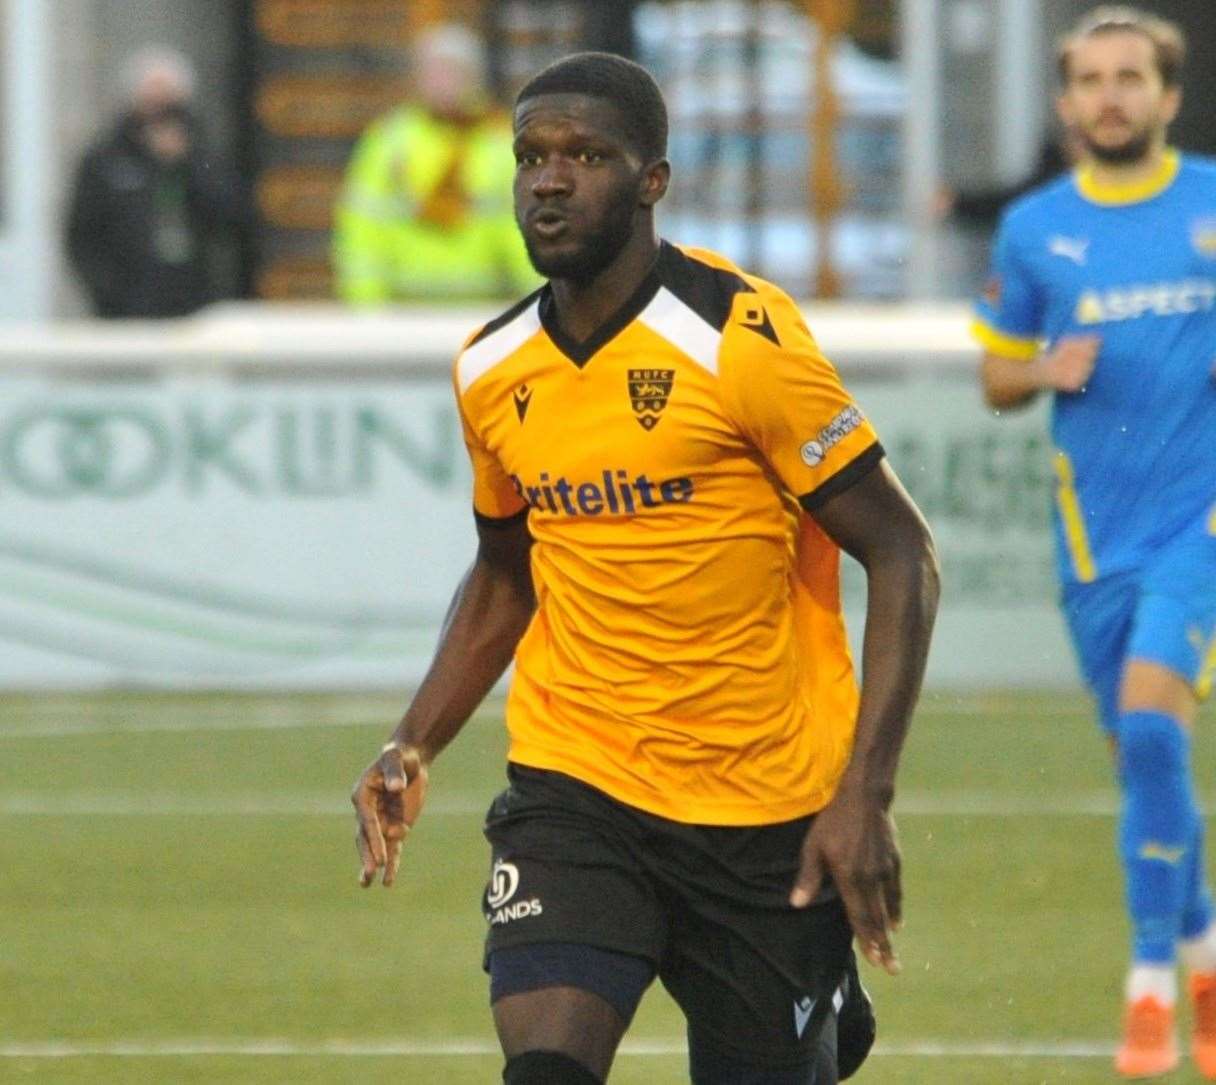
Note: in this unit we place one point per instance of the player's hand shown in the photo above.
(387, 799)
(852, 839)
(1068, 366)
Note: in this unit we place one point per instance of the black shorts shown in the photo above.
(707, 906)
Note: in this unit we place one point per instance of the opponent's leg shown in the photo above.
(1199, 955)
(1157, 835)
(1171, 653)
(1199, 932)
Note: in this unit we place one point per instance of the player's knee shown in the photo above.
(1151, 744)
(1155, 687)
(547, 1068)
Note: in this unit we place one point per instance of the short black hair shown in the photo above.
(628, 86)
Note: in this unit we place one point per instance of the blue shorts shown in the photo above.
(1164, 612)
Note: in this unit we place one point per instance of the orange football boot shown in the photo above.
(1202, 986)
(1148, 1047)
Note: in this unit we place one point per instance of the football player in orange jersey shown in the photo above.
(666, 469)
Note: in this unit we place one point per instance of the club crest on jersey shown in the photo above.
(649, 390)
(1203, 236)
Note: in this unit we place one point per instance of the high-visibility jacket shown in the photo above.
(426, 213)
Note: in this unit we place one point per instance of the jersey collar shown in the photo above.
(581, 352)
(1119, 195)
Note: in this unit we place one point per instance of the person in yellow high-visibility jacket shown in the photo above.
(426, 208)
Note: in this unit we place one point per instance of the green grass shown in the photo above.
(179, 871)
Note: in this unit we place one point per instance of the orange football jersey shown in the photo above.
(688, 654)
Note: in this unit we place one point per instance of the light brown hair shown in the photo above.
(1169, 43)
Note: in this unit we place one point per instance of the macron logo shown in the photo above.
(802, 1014)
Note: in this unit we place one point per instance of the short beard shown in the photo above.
(1132, 150)
(597, 251)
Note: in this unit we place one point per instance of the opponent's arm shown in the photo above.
(489, 613)
(1013, 382)
(853, 837)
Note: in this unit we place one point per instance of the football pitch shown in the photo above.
(178, 900)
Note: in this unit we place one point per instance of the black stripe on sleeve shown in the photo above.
(503, 319)
(852, 473)
(708, 291)
(498, 522)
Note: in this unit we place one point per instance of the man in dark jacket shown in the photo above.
(147, 199)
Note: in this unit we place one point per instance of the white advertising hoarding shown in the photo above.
(253, 526)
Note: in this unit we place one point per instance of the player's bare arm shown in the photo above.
(489, 614)
(1012, 382)
(853, 838)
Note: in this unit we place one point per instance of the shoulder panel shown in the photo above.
(708, 289)
(498, 340)
(683, 327)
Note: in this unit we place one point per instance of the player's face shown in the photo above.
(580, 186)
(1114, 98)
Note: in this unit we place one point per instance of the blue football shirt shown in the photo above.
(1136, 266)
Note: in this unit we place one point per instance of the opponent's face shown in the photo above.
(1114, 98)
(581, 188)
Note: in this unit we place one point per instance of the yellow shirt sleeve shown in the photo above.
(495, 494)
(788, 400)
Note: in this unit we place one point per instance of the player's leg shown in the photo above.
(1101, 619)
(560, 1010)
(1161, 826)
(574, 930)
(755, 978)
(1199, 955)
(844, 1042)
(1157, 831)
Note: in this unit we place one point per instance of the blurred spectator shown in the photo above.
(426, 209)
(147, 197)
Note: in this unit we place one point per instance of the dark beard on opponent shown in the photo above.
(1133, 150)
(596, 252)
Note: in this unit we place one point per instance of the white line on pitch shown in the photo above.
(171, 804)
(274, 716)
(174, 805)
(72, 729)
(286, 721)
(463, 1047)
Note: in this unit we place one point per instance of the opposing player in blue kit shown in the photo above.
(1103, 292)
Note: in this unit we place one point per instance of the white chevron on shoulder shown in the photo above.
(669, 317)
(496, 347)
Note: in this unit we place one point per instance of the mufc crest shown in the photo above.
(649, 390)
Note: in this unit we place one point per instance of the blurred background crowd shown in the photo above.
(160, 154)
